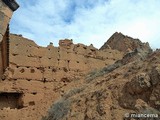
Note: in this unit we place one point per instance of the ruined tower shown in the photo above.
(7, 7)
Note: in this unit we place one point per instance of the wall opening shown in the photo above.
(31, 103)
(54, 70)
(65, 69)
(32, 71)
(65, 80)
(22, 70)
(11, 100)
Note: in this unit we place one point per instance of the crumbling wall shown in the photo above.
(30, 61)
(43, 74)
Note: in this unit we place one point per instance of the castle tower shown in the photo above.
(7, 7)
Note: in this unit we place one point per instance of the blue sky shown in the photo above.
(87, 21)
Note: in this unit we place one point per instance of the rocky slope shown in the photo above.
(124, 43)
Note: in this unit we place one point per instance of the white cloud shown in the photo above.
(87, 21)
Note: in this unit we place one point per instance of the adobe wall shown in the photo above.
(43, 74)
(30, 61)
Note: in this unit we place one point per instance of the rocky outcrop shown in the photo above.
(124, 43)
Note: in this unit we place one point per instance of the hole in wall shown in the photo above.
(65, 79)
(22, 70)
(28, 79)
(44, 80)
(54, 70)
(11, 100)
(31, 103)
(34, 93)
(32, 71)
(65, 69)
(14, 54)
(77, 61)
